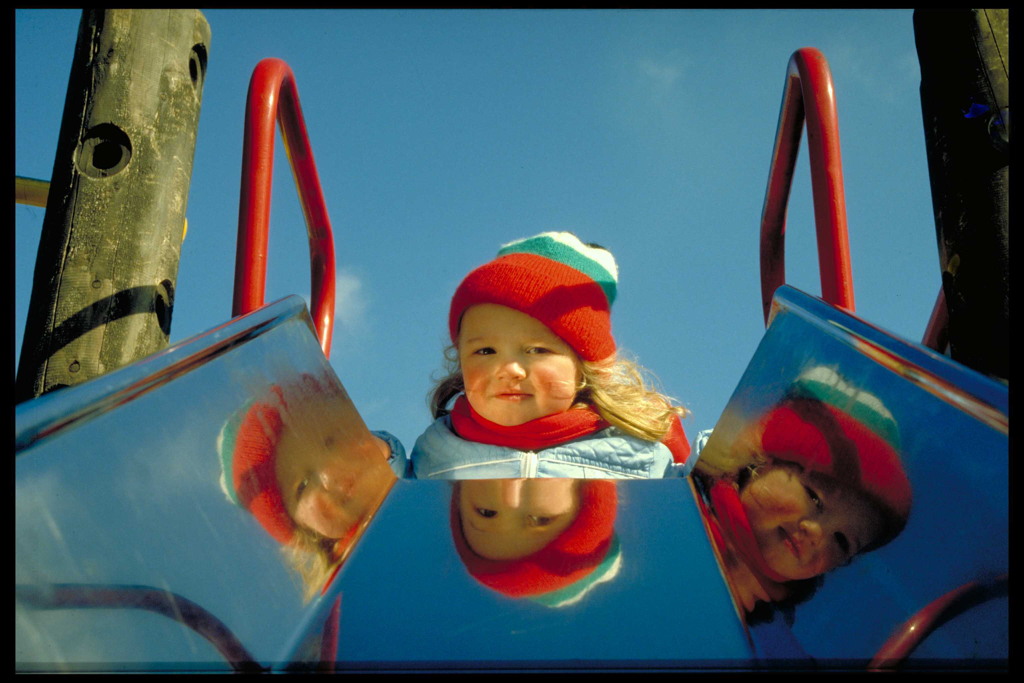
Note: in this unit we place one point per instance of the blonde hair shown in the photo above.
(734, 447)
(621, 391)
(313, 557)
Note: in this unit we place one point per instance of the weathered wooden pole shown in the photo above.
(105, 274)
(965, 89)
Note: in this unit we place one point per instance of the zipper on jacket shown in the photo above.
(529, 465)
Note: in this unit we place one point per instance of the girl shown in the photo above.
(548, 540)
(813, 483)
(303, 464)
(539, 390)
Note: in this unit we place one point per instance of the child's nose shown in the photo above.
(331, 481)
(511, 492)
(511, 369)
(812, 531)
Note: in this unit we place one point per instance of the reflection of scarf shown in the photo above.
(733, 523)
(535, 435)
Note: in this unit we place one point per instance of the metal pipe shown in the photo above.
(912, 632)
(31, 191)
(936, 334)
(273, 96)
(808, 87)
(164, 602)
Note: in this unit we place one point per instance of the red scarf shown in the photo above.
(548, 431)
(535, 435)
(732, 522)
(676, 441)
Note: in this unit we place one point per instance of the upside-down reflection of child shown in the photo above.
(549, 540)
(539, 390)
(814, 482)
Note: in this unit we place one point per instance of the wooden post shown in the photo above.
(965, 88)
(103, 289)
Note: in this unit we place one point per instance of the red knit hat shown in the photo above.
(247, 446)
(826, 426)
(553, 277)
(569, 559)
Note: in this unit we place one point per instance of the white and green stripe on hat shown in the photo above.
(594, 261)
(226, 450)
(574, 592)
(826, 385)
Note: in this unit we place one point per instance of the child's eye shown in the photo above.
(814, 497)
(484, 512)
(539, 521)
(486, 351)
(301, 487)
(538, 349)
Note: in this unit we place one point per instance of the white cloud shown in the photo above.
(664, 75)
(349, 305)
(349, 302)
(660, 75)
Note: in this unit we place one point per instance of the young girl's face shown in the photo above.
(328, 481)
(514, 368)
(506, 519)
(805, 523)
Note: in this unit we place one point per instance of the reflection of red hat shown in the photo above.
(826, 427)
(248, 451)
(247, 446)
(574, 555)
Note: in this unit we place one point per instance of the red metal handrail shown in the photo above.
(912, 632)
(158, 600)
(936, 334)
(808, 86)
(273, 96)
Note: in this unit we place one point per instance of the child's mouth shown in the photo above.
(513, 396)
(790, 544)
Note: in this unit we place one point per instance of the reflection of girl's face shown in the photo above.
(506, 519)
(804, 523)
(329, 485)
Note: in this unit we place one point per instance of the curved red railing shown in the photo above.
(808, 87)
(157, 600)
(936, 334)
(274, 97)
(954, 603)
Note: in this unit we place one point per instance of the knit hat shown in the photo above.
(584, 555)
(827, 425)
(247, 446)
(247, 450)
(553, 277)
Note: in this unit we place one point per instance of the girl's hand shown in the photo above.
(382, 446)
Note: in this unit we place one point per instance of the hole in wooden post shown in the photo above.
(106, 155)
(197, 66)
(104, 151)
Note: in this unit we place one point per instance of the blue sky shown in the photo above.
(440, 135)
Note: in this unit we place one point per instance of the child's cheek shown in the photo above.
(557, 383)
(474, 379)
(561, 390)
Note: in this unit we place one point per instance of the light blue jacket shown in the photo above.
(397, 461)
(607, 454)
